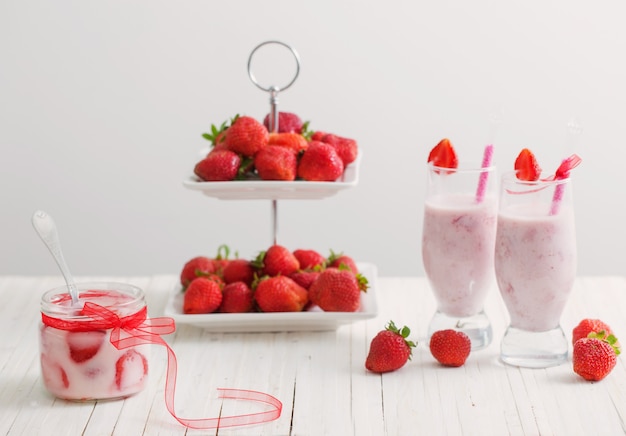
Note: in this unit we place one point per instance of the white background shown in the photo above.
(103, 103)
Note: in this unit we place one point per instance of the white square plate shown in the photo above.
(276, 190)
(312, 320)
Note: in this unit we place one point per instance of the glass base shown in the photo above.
(477, 327)
(534, 349)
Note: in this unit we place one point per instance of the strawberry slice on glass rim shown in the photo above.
(443, 155)
(526, 166)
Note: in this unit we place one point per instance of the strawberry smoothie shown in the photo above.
(535, 263)
(457, 249)
(78, 359)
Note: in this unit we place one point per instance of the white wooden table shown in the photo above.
(320, 376)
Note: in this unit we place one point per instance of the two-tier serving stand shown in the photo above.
(275, 190)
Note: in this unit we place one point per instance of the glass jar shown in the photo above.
(87, 350)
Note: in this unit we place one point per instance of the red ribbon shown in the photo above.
(136, 329)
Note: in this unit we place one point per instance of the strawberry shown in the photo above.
(338, 259)
(309, 259)
(276, 260)
(317, 135)
(203, 295)
(587, 326)
(443, 155)
(288, 122)
(305, 278)
(292, 141)
(320, 163)
(280, 294)
(218, 134)
(221, 260)
(390, 349)
(196, 267)
(276, 163)
(84, 345)
(246, 136)
(526, 166)
(347, 148)
(450, 347)
(238, 270)
(218, 166)
(130, 369)
(237, 297)
(595, 357)
(338, 290)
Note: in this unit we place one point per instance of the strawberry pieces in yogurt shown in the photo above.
(84, 345)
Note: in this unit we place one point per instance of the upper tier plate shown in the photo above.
(271, 190)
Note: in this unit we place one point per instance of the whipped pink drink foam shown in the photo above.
(535, 261)
(457, 249)
(81, 363)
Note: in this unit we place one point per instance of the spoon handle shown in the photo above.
(47, 230)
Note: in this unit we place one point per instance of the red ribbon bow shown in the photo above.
(136, 329)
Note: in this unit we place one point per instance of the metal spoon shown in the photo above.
(47, 230)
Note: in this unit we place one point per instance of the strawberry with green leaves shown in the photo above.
(390, 349)
(203, 295)
(237, 297)
(305, 278)
(279, 294)
(246, 136)
(587, 326)
(218, 134)
(309, 259)
(347, 148)
(219, 165)
(526, 166)
(197, 267)
(277, 260)
(276, 163)
(291, 141)
(288, 122)
(595, 356)
(238, 270)
(320, 163)
(450, 347)
(338, 290)
(443, 155)
(338, 259)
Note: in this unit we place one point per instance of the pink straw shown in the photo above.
(562, 173)
(482, 181)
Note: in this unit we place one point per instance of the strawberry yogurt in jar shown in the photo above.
(88, 350)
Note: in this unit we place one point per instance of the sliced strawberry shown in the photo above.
(526, 166)
(84, 345)
(54, 376)
(443, 155)
(130, 369)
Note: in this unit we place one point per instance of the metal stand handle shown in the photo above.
(273, 118)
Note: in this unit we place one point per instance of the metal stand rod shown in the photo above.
(273, 115)
(275, 221)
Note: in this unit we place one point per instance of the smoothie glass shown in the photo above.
(458, 240)
(79, 358)
(535, 263)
